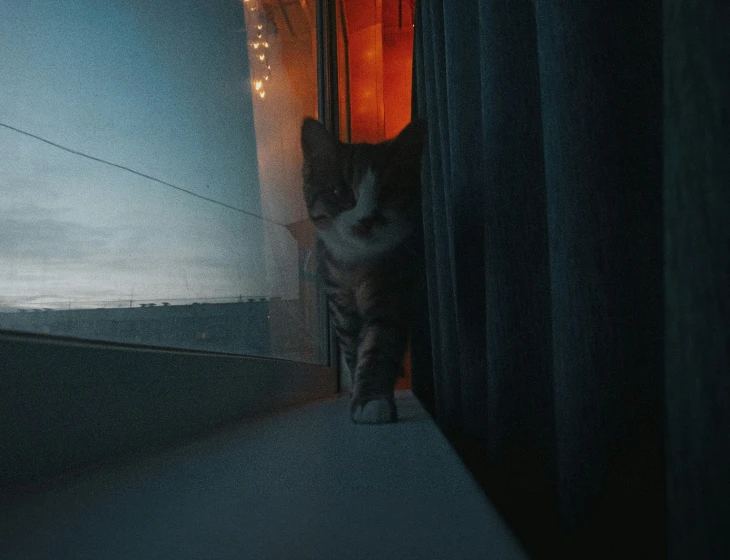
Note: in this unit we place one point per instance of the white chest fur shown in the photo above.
(349, 248)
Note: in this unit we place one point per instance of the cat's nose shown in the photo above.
(363, 228)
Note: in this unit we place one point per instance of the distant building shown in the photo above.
(241, 328)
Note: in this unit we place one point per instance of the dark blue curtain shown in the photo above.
(574, 341)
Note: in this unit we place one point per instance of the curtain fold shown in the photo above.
(550, 186)
(697, 276)
(600, 76)
(520, 433)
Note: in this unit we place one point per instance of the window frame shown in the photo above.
(70, 403)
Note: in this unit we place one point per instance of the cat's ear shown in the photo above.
(408, 145)
(317, 142)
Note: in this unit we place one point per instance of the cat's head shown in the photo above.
(336, 174)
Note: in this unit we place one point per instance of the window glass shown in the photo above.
(375, 64)
(150, 174)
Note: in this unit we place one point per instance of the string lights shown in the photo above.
(258, 26)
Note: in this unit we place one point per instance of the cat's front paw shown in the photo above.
(379, 410)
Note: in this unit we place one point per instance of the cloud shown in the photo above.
(35, 234)
(49, 259)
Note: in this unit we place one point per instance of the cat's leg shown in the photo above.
(346, 323)
(382, 345)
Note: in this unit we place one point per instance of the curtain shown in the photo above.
(574, 334)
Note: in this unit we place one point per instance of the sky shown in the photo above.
(161, 88)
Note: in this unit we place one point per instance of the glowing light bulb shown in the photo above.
(259, 26)
(258, 84)
(266, 78)
(262, 94)
(262, 57)
(255, 45)
(266, 44)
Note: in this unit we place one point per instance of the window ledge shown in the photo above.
(303, 483)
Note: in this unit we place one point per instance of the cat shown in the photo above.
(365, 201)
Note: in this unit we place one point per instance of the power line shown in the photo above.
(140, 174)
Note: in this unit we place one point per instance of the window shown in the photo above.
(375, 57)
(150, 174)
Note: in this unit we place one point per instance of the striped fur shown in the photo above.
(364, 200)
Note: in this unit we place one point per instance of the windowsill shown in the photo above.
(303, 483)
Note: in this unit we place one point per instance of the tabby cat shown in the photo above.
(364, 200)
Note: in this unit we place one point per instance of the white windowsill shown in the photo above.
(300, 484)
